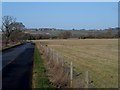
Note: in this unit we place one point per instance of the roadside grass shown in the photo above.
(9, 46)
(40, 79)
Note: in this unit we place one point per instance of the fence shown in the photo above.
(61, 73)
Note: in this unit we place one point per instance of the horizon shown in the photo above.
(71, 29)
(64, 15)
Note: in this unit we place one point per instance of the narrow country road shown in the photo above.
(17, 66)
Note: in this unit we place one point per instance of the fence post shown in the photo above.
(50, 54)
(53, 54)
(57, 57)
(71, 75)
(86, 80)
(46, 53)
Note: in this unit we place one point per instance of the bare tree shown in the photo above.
(12, 30)
(6, 21)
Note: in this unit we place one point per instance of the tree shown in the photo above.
(12, 30)
(17, 34)
(6, 21)
(17, 26)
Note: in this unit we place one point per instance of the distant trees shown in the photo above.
(61, 35)
(65, 35)
(37, 36)
(109, 33)
(119, 33)
(80, 34)
(82, 37)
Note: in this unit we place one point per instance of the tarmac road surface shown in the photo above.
(17, 66)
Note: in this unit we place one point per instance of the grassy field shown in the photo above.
(98, 56)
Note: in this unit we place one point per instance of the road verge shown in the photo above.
(40, 79)
(13, 46)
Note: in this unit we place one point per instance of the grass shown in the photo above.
(98, 56)
(9, 46)
(40, 79)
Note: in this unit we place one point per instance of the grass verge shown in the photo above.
(40, 79)
(10, 46)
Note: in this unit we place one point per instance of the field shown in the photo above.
(98, 56)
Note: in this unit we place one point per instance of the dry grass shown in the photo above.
(55, 72)
(98, 56)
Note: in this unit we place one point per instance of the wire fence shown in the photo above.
(61, 73)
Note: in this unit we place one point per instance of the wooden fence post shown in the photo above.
(71, 75)
(53, 54)
(46, 53)
(50, 54)
(57, 57)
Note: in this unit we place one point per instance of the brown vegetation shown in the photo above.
(98, 56)
(55, 71)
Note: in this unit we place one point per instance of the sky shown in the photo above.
(64, 15)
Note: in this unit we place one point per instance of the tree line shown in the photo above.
(14, 31)
(80, 34)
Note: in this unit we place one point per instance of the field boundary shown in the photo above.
(68, 76)
(39, 79)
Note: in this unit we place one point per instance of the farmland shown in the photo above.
(98, 56)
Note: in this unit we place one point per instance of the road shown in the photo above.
(17, 66)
